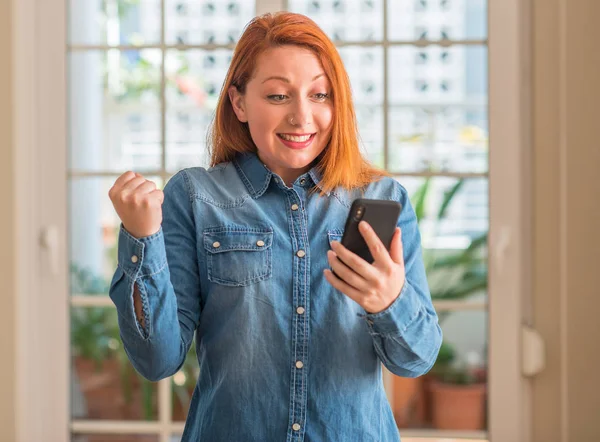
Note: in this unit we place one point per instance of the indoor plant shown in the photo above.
(108, 381)
(111, 386)
(451, 275)
(458, 392)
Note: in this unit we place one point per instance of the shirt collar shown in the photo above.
(256, 176)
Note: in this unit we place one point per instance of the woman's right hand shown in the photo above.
(138, 203)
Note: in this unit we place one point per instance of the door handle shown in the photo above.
(49, 241)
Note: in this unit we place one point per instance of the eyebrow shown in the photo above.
(286, 80)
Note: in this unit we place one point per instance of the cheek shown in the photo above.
(324, 117)
(265, 117)
(264, 121)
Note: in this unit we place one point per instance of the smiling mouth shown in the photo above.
(296, 138)
(296, 141)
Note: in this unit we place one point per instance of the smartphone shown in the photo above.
(382, 216)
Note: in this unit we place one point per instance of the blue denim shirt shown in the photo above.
(283, 356)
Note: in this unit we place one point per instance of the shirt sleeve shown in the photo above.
(164, 266)
(407, 336)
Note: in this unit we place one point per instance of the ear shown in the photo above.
(237, 102)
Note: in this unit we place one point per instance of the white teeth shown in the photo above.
(295, 138)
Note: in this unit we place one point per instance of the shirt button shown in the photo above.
(260, 243)
(296, 427)
(299, 364)
(134, 259)
(301, 253)
(294, 206)
(302, 181)
(300, 310)
(216, 244)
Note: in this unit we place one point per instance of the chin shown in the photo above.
(300, 162)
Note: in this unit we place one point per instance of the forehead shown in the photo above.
(293, 62)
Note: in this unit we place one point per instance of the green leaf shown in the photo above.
(448, 197)
(480, 241)
(465, 288)
(420, 198)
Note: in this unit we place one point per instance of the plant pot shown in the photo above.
(427, 378)
(458, 407)
(409, 402)
(181, 405)
(105, 397)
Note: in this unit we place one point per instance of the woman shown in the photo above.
(239, 254)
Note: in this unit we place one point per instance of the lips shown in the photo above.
(296, 141)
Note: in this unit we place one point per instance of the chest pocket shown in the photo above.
(335, 235)
(238, 257)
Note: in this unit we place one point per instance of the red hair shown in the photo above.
(341, 162)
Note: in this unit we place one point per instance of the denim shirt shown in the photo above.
(283, 356)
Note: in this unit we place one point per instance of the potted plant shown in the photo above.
(451, 275)
(110, 386)
(409, 404)
(108, 382)
(458, 392)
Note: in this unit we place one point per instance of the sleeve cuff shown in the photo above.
(398, 316)
(141, 256)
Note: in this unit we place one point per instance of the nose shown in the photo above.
(301, 115)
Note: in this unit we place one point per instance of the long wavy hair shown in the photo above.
(341, 162)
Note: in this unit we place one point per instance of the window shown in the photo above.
(144, 79)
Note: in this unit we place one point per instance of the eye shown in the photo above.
(277, 97)
(321, 96)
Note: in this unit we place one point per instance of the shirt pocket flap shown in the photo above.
(217, 241)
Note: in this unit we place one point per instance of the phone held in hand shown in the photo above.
(382, 216)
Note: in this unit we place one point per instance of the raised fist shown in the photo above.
(138, 203)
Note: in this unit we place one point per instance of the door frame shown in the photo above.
(42, 335)
(511, 217)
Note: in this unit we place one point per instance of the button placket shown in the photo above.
(298, 227)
